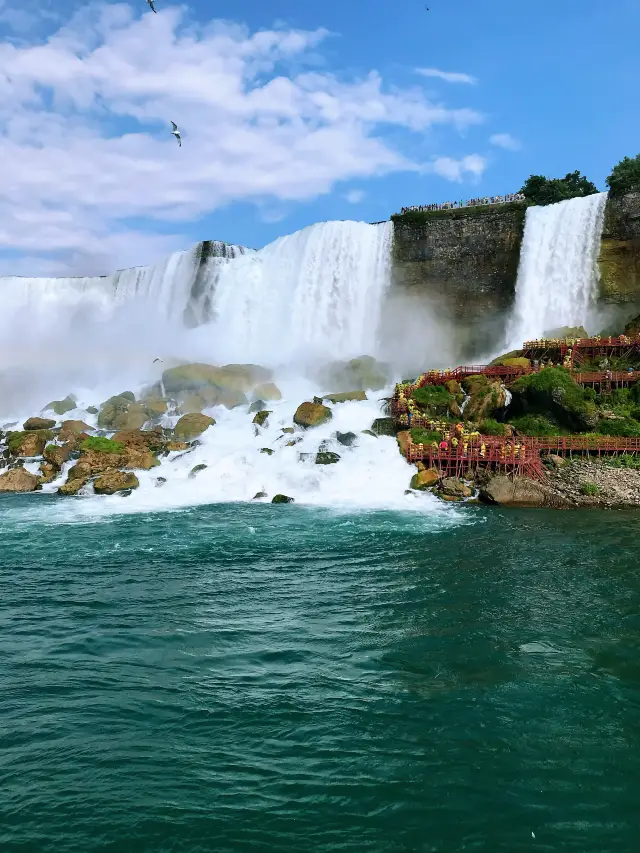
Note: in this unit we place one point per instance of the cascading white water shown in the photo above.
(317, 292)
(558, 274)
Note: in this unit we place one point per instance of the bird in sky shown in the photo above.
(156, 359)
(152, 5)
(176, 133)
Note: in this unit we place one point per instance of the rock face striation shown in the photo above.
(465, 263)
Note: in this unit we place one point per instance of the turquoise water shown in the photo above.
(258, 678)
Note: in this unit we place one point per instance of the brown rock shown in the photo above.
(48, 472)
(267, 392)
(173, 446)
(38, 423)
(517, 492)
(425, 479)
(404, 439)
(73, 485)
(57, 455)
(192, 425)
(18, 480)
(345, 396)
(261, 418)
(312, 415)
(29, 443)
(115, 481)
(148, 439)
(455, 488)
(71, 428)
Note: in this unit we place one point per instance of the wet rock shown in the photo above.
(517, 492)
(256, 406)
(312, 415)
(282, 499)
(38, 423)
(115, 481)
(267, 450)
(196, 469)
(318, 401)
(369, 432)
(455, 487)
(61, 407)
(360, 373)
(268, 391)
(556, 461)
(160, 481)
(148, 439)
(18, 480)
(57, 455)
(327, 458)
(347, 439)
(175, 446)
(288, 430)
(293, 442)
(28, 444)
(124, 493)
(48, 472)
(192, 425)
(384, 426)
(259, 495)
(73, 485)
(345, 396)
(71, 428)
(122, 413)
(425, 479)
(261, 417)
(92, 410)
(196, 377)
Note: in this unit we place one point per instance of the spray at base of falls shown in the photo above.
(558, 274)
(370, 475)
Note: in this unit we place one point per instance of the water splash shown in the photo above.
(558, 275)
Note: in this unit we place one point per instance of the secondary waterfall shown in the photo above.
(558, 274)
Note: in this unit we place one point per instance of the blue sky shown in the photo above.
(544, 87)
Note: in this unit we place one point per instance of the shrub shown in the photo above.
(626, 460)
(626, 428)
(590, 394)
(492, 427)
(625, 177)
(100, 444)
(540, 190)
(424, 436)
(590, 489)
(536, 425)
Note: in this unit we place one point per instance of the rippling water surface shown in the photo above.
(259, 678)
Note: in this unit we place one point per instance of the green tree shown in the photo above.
(625, 177)
(540, 190)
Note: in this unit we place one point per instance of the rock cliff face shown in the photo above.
(620, 254)
(466, 263)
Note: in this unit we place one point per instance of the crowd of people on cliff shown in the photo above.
(472, 202)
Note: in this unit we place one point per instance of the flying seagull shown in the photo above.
(156, 359)
(152, 6)
(176, 133)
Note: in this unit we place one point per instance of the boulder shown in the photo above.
(196, 377)
(281, 499)
(61, 407)
(160, 481)
(33, 424)
(455, 488)
(196, 469)
(115, 481)
(48, 472)
(326, 457)
(369, 432)
(155, 407)
(256, 406)
(454, 387)
(347, 439)
(633, 327)
(553, 393)
(80, 471)
(404, 440)
(19, 480)
(288, 430)
(425, 479)
(516, 362)
(259, 495)
(57, 455)
(175, 446)
(384, 426)
(28, 444)
(122, 412)
(71, 428)
(515, 353)
(484, 401)
(192, 403)
(267, 450)
(267, 391)
(92, 410)
(312, 415)
(517, 492)
(563, 332)
(261, 418)
(192, 425)
(362, 373)
(556, 461)
(73, 485)
(345, 396)
(148, 439)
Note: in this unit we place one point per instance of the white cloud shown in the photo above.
(454, 170)
(505, 140)
(449, 76)
(354, 196)
(85, 148)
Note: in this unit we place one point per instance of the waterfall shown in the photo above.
(315, 293)
(558, 274)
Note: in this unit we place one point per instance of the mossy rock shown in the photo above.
(369, 432)
(347, 439)
(61, 407)
(122, 412)
(361, 374)
(28, 444)
(267, 450)
(312, 415)
(485, 401)
(517, 362)
(73, 485)
(346, 397)
(33, 424)
(73, 428)
(281, 499)
(92, 410)
(197, 469)
(288, 430)
(384, 426)
(326, 457)
(256, 406)
(232, 377)
(261, 418)
(514, 353)
(259, 495)
(57, 455)
(474, 382)
(192, 425)
(564, 332)
(423, 480)
(553, 394)
(48, 472)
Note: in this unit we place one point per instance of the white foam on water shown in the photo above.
(558, 275)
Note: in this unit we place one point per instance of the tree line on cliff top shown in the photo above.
(624, 178)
